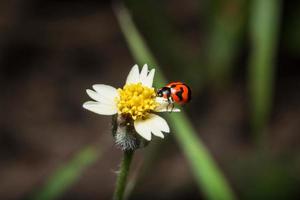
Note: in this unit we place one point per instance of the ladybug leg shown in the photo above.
(172, 107)
(168, 106)
(170, 102)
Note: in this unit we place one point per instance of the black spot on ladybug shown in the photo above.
(179, 94)
(173, 85)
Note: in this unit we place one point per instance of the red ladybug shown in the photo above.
(177, 92)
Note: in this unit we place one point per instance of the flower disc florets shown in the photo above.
(136, 100)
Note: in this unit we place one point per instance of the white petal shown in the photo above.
(100, 108)
(154, 124)
(159, 123)
(167, 109)
(149, 79)
(99, 97)
(164, 106)
(134, 75)
(157, 133)
(144, 73)
(106, 91)
(143, 129)
(161, 100)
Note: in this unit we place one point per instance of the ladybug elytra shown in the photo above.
(175, 92)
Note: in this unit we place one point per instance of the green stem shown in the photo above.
(123, 173)
(264, 31)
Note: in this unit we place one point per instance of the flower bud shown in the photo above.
(125, 135)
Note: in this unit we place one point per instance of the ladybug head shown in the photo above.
(160, 93)
(164, 92)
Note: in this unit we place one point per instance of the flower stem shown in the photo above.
(123, 173)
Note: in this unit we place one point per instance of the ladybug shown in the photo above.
(175, 92)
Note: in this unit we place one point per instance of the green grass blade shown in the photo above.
(136, 43)
(264, 24)
(165, 39)
(209, 178)
(64, 177)
(207, 174)
(224, 40)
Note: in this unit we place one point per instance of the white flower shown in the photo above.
(136, 100)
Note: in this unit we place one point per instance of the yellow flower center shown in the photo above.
(136, 100)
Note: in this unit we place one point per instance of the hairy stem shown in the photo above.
(122, 176)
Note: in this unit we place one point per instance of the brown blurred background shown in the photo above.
(52, 50)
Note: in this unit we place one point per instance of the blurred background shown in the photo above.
(241, 58)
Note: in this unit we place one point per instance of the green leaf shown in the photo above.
(224, 39)
(65, 176)
(264, 25)
(208, 176)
